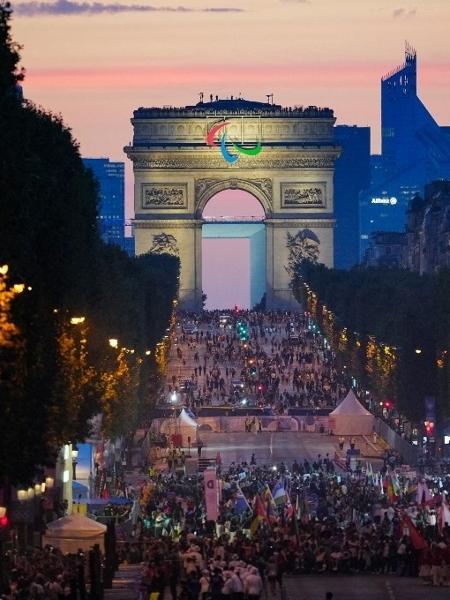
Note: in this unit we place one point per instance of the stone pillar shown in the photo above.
(318, 241)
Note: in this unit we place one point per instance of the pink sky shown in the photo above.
(94, 69)
(322, 52)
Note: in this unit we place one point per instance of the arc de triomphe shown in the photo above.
(283, 156)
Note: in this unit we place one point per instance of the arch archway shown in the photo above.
(233, 250)
(284, 157)
(259, 189)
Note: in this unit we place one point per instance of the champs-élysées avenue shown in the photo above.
(224, 300)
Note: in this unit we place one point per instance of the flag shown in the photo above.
(302, 509)
(444, 514)
(259, 508)
(279, 494)
(240, 503)
(369, 473)
(260, 515)
(390, 489)
(417, 540)
(395, 483)
(268, 499)
(423, 494)
(289, 510)
(269, 504)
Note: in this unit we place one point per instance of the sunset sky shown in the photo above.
(95, 63)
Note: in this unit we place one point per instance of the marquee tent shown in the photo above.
(75, 532)
(187, 427)
(351, 418)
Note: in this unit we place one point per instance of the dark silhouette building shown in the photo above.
(351, 177)
(111, 211)
(424, 246)
(415, 151)
(428, 229)
(415, 148)
(386, 249)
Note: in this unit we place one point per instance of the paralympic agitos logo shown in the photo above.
(220, 130)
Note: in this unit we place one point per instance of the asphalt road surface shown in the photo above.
(362, 587)
(269, 448)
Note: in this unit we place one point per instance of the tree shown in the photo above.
(400, 323)
(54, 376)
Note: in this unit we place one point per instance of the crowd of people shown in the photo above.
(303, 518)
(44, 574)
(325, 522)
(280, 363)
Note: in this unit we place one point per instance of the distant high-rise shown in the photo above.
(413, 144)
(415, 151)
(351, 176)
(111, 211)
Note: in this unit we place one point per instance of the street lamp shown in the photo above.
(22, 495)
(74, 462)
(77, 320)
(113, 342)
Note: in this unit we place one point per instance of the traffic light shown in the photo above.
(429, 428)
(253, 371)
(260, 387)
(4, 522)
(242, 331)
(387, 404)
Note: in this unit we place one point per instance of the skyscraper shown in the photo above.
(415, 151)
(351, 176)
(111, 211)
(414, 147)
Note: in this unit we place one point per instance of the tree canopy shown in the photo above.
(392, 326)
(57, 372)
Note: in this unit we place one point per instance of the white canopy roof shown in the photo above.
(350, 406)
(76, 526)
(186, 419)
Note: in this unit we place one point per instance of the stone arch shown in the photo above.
(255, 188)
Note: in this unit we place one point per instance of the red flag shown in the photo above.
(260, 509)
(417, 540)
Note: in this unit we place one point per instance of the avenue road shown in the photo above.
(361, 587)
(269, 448)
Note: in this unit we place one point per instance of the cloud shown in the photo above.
(403, 13)
(70, 7)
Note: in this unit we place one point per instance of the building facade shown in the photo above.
(424, 246)
(428, 230)
(111, 211)
(351, 177)
(284, 157)
(415, 151)
(386, 249)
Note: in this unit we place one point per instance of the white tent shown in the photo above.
(351, 418)
(187, 426)
(75, 532)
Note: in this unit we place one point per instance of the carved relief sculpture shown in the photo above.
(302, 195)
(304, 245)
(164, 195)
(247, 162)
(165, 243)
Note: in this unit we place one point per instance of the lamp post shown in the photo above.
(74, 462)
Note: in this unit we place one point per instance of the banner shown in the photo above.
(211, 494)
